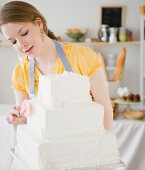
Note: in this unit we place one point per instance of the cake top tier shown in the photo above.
(67, 88)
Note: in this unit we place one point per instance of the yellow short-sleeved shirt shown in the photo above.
(82, 60)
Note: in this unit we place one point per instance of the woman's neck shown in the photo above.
(45, 62)
(48, 53)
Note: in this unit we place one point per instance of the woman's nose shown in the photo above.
(22, 45)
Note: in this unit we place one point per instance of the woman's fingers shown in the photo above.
(23, 110)
(11, 118)
(16, 108)
(15, 117)
(14, 112)
(14, 120)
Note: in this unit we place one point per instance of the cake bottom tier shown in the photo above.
(70, 153)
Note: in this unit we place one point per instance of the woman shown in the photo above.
(25, 28)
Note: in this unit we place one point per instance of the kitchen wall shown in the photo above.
(64, 14)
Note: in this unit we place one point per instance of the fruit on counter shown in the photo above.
(76, 30)
(73, 30)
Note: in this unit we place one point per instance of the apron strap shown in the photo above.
(32, 63)
(32, 92)
(62, 56)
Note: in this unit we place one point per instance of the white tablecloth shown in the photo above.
(130, 137)
(131, 142)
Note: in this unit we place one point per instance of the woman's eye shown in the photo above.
(25, 33)
(14, 42)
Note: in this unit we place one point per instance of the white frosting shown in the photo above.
(91, 149)
(63, 88)
(67, 120)
(65, 129)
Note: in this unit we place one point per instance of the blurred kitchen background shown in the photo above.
(65, 14)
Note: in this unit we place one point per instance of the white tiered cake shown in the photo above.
(65, 129)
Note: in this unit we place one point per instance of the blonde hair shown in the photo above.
(19, 11)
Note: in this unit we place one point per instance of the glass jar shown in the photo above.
(113, 34)
(123, 34)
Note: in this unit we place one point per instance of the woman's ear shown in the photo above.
(39, 23)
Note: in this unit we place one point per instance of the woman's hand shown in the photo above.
(16, 117)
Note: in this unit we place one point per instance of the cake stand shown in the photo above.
(127, 103)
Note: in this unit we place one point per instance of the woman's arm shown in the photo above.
(20, 97)
(14, 116)
(99, 90)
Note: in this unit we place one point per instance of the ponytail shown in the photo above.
(51, 35)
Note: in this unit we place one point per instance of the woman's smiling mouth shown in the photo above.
(29, 50)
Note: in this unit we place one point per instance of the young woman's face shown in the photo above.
(25, 37)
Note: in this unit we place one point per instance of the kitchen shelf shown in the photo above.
(107, 43)
(5, 43)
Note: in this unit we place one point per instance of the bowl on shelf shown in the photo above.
(134, 114)
(76, 34)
